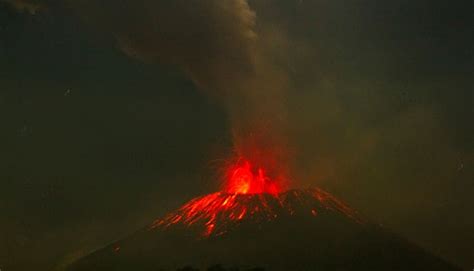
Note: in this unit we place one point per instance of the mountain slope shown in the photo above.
(296, 230)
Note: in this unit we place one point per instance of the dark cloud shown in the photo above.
(217, 44)
(31, 7)
(212, 41)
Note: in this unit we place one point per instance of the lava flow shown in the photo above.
(250, 196)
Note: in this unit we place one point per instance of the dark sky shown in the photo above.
(95, 144)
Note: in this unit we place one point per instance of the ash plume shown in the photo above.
(217, 45)
(31, 7)
(212, 41)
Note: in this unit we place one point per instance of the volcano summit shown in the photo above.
(293, 230)
(219, 213)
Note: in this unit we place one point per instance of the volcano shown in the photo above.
(293, 230)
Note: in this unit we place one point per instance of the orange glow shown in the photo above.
(243, 178)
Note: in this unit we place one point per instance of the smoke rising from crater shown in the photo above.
(217, 45)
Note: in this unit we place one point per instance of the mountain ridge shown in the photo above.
(305, 229)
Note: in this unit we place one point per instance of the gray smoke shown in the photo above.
(217, 45)
(31, 7)
(215, 42)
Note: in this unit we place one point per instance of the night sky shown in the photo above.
(96, 141)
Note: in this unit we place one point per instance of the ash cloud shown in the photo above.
(31, 7)
(217, 44)
(212, 41)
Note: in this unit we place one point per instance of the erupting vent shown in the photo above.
(243, 178)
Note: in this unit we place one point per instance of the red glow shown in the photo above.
(218, 213)
(254, 190)
(243, 178)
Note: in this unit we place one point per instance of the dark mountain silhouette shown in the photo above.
(296, 230)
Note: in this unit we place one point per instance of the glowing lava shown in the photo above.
(250, 195)
(244, 179)
(219, 213)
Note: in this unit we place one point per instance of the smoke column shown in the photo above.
(217, 45)
(215, 42)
